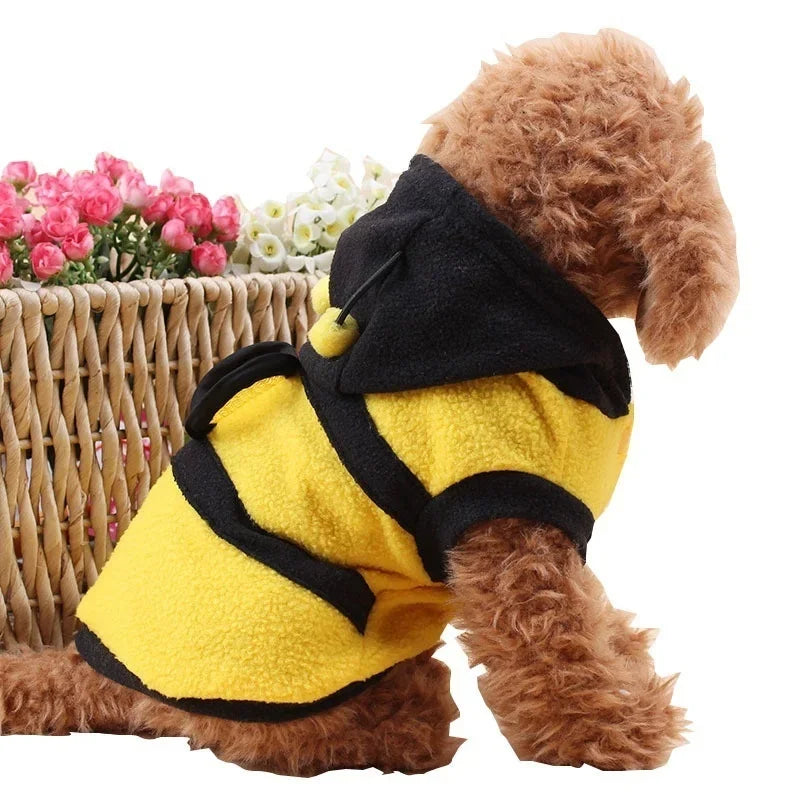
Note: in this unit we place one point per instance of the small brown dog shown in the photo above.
(584, 148)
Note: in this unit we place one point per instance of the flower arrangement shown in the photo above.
(109, 223)
(301, 233)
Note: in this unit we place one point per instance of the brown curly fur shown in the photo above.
(567, 678)
(583, 146)
(401, 723)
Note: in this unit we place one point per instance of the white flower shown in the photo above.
(315, 213)
(327, 163)
(275, 215)
(339, 188)
(284, 235)
(320, 178)
(375, 193)
(348, 215)
(296, 199)
(345, 184)
(268, 252)
(344, 199)
(373, 169)
(305, 236)
(274, 209)
(329, 237)
(322, 261)
(299, 263)
(325, 193)
(254, 225)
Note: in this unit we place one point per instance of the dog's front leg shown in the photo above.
(567, 678)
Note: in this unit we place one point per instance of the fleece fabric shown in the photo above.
(298, 547)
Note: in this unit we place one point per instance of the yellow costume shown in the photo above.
(297, 548)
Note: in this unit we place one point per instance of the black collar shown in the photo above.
(467, 299)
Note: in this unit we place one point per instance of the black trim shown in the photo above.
(499, 495)
(233, 374)
(370, 460)
(208, 488)
(101, 659)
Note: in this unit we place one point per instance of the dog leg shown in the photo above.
(567, 678)
(400, 723)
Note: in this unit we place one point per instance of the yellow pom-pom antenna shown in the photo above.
(336, 329)
(320, 295)
(330, 338)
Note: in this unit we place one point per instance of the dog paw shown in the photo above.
(641, 733)
(621, 729)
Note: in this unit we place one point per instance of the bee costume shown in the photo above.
(297, 548)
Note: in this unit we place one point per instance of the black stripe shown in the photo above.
(499, 495)
(233, 374)
(208, 488)
(436, 523)
(100, 658)
(369, 458)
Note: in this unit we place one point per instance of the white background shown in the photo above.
(702, 536)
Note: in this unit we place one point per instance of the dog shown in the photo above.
(578, 167)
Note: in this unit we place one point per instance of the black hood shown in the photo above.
(466, 299)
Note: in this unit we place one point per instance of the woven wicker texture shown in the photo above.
(96, 381)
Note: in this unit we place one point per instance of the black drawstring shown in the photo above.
(374, 278)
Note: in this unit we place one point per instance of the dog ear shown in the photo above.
(675, 220)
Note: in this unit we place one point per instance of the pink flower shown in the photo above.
(109, 165)
(174, 184)
(9, 197)
(59, 220)
(209, 258)
(51, 189)
(195, 212)
(226, 219)
(6, 264)
(176, 237)
(32, 229)
(158, 209)
(101, 206)
(10, 222)
(78, 243)
(134, 190)
(46, 260)
(87, 182)
(8, 194)
(20, 173)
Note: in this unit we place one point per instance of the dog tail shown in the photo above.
(56, 692)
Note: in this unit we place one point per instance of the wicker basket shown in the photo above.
(96, 381)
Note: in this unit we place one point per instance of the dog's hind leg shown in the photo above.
(567, 678)
(401, 723)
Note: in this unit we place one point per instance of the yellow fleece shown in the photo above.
(192, 616)
(512, 422)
